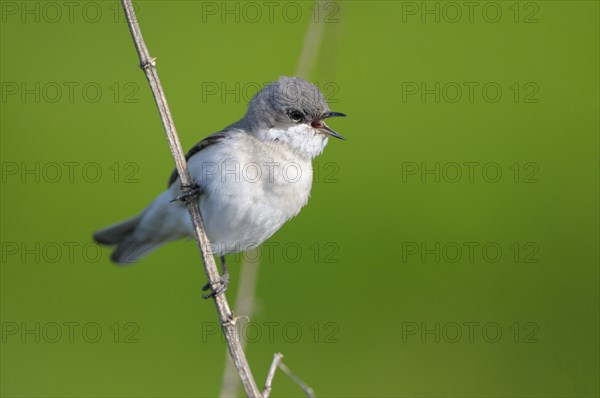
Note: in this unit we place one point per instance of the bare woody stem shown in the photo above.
(226, 318)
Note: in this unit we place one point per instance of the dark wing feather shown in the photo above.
(206, 142)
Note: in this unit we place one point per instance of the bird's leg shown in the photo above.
(223, 282)
(224, 272)
(188, 192)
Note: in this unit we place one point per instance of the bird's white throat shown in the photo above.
(302, 139)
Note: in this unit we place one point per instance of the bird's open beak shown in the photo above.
(321, 126)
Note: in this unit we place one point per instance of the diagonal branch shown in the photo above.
(244, 304)
(226, 318)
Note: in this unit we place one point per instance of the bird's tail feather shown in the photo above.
(116, 233)
(127, 249)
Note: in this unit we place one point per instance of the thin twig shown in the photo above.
(277, 363)
(226, 318)
(309, 391)
(276, 360)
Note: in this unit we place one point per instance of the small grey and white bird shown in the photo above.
(253, 176)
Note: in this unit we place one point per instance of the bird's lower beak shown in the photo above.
(327, 130)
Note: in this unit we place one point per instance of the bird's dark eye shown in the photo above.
(296, 115)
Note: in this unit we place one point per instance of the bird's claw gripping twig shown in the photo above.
(221, 287)
(188, 192)
(222, 282)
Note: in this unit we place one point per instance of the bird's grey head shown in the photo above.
(291, 111)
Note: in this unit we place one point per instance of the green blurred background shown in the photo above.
(365, 292)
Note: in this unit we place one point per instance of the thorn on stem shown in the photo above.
(151, 63)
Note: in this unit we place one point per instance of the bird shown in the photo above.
(251, 178)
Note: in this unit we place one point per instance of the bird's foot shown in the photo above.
(188, 192)
(221, 287)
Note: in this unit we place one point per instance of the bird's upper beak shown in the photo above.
(321, 126)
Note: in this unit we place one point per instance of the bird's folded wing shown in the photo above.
(206, 142)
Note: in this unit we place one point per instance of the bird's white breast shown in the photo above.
(251, 188)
